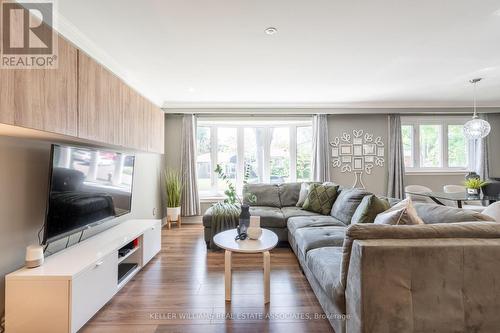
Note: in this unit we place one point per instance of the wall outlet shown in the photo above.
(154, 211)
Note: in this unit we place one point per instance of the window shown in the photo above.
(272, 151)
(435, 144)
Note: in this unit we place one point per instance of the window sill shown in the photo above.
(211, 198)
(442, 172)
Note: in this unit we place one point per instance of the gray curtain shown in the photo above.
(395, 186)
(320, 161)
(481, 164)
(190, 201)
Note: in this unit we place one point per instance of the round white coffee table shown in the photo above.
(267, 241)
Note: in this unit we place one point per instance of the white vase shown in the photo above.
(173, 213)
(254, 231)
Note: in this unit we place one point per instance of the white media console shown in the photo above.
(72, 285)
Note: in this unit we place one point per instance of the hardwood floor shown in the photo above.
(182, 290)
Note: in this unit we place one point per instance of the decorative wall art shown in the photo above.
(357, 152)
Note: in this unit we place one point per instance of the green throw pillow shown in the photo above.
(320, 198)
(369, 208)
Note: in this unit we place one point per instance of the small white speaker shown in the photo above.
(34, 256)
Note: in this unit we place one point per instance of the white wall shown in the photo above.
(24, 166)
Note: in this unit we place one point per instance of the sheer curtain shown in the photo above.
(320, 161)
(396, 163)
(190, 201)
(482, 167)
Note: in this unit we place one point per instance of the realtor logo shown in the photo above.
(28, 39)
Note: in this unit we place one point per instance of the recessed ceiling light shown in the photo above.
(271, 31)
(191, 89)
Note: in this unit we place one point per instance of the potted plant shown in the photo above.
(173, 188)
(473, 185)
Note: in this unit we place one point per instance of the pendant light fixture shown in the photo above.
(476, 128)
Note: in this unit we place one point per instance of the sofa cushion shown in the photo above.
(431, 214)
(320, 198)
(265, 195)
(324, 264)
(298, 222)
(289, 194)
(270, 217)
(369, 208)
(316, 237)
(401, 214)
(297, 211)
(348, 200)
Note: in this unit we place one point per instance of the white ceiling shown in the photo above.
(327, 53)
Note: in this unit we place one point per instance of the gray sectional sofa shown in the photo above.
(443, 276)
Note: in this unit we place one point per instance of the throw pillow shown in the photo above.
(493, 211)
(402, 213)
(304, 191)
(320, 198)
(344, 207)
(369, 208)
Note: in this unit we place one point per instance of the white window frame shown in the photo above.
(444, 121)
(240, 126)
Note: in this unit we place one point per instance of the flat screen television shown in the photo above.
(87, 186)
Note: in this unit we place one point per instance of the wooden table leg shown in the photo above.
(267, 276)
(169, 222)
(179, 221)
(227, 275)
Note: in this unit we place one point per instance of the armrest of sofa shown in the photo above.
(430, 284)
(364, 231)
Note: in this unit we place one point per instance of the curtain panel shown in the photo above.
(320, 160)
(190, 201)
(396, 163)
(481, 163)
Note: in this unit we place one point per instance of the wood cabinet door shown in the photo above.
(7, 110)
(43, 99)
(136, 119)
(100, 113)
(156, 138)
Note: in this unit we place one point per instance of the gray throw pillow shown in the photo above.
(348, 200)
(431, 214)
(369, 208)
(402, 213)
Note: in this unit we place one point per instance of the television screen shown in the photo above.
(87, 186)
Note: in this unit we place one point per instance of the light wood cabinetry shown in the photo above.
(43, 99)
(100, 115)
(7, 96)
(156, 138)
(136, 124)
(82, 99)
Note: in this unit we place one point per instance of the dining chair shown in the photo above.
(470, 205)
(418, 189)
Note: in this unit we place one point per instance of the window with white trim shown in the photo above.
(274, 151)
(435, 144)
